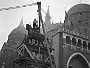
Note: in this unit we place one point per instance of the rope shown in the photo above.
(21, 6)
(16, 7)
(46, 13)
(51, 19)
(45, 23)
(46, 41)
(47, 26)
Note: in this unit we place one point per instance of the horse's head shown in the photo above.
(28, 27)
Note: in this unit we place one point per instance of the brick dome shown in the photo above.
(20, 29)
(79, 8)
(16, 36)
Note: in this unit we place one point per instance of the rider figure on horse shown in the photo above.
(35, 26)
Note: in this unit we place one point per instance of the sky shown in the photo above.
(10, 19)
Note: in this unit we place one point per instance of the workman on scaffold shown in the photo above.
(35, 25)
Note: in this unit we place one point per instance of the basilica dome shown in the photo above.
(20, 29)
(79, 8)
(17, 35)
(78, 18)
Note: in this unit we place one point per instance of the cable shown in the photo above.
(50, 17)
(44, 22)
(20, 6)
(46, 13)
(47, 26)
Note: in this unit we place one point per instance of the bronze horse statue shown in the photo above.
(34, 34)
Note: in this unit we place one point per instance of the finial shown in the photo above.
(21, 23)
(80, 1)
(48, 6)
(48, 14)
(60, 20)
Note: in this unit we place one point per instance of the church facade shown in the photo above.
(72, 43)
(71, 40)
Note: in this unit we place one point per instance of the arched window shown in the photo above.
(74, 41)
(68, 40)
(89, 46)
(79, 44)
(84, 45)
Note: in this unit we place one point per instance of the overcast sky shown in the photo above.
(10, 19)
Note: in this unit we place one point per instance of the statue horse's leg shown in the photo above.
(26, 39)
(40, 39)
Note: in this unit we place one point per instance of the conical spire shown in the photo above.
(47, 17)
(66, 16)
(21, 23)
(47, 21)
